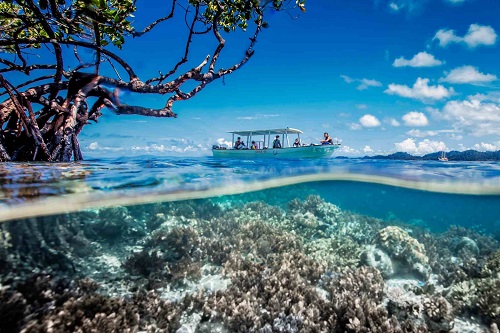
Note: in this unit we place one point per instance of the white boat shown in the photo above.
(443, 157)
(264, 145)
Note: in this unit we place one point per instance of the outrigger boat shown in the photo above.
(264, 146)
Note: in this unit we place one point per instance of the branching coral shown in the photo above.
(334, 251)
(262, 296)
(438, 314)
(45, 304)
(169, 254)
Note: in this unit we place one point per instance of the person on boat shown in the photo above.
(239, 144)
(296, 143)
(254, 145)
(327, 141)
(277, 142)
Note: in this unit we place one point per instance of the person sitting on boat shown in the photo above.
(239, 144)
(277, 142)
(327, 141)
(254, 146)
(296, 143)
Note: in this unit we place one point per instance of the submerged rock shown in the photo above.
(378, 259)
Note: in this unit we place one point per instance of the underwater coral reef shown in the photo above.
(221, 266)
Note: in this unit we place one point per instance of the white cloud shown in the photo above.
(392, 121)
(480, 35)
(446, 37)
(367, 149)
(93, 146)
(361, 106)
(454, 136)
(366, 83)
(355, 126)
(415, 118)
(223, 142)
(362, 83)
(347, 79)
(394, 6)
(455, 1)
(369, 121)
(421, 148)
(467, 74)
(348, 150)
(398, 6)
(168, 149)
(421, 59)
(172, 145)
(416, 133)
(476, 35)
(422, 134)
(258, 116)
(474, 116)
(421, 90)
(486, 146)
(97, 147)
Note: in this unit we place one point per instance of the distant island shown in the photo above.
(467, 155)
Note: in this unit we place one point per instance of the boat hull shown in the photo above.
(323, 151)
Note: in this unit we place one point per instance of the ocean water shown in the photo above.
(158, 244)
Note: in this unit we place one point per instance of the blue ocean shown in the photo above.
(170, 244)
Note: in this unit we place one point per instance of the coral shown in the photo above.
(4, 238)
(5, 244)
(453, 256)
(314, 219)
(461, 296)
(200, 209)
(334, 251)
(477, 296)
(378, 259)
(114, 224)
(405, 305)
(255, 240)
(400, 246)
(45, 304)
(464, 245)
(488, 299)
(438, 314)
(45, 243)
(249, 267)
(486, 244)
(281, 297)
(13, 308)
(172, 255)
(260, 294)
(318, 207)
(492, 266)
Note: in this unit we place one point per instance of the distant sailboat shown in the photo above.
(443, 157)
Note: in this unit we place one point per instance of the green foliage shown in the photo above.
(111, 19)
(79, 19)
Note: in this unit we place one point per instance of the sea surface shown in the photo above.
(172, 231)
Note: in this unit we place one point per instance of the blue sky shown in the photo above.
(381, 76)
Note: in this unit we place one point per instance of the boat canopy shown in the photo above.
(268, 131)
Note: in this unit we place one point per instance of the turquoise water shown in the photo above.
(143, 239)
